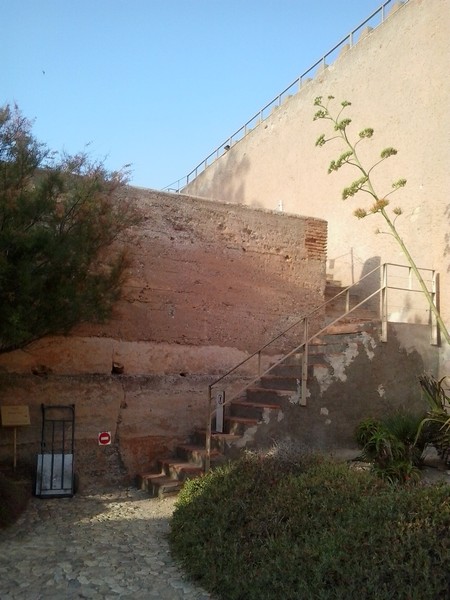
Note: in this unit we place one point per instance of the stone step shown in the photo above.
(178, 469)
(251, 410)
(313, 358)
(238, 425)
(333, 287)
(289, 372)
(281, 381)
(333, 298)
(197, 455)
(268, 395)
(158, 485)
(219, 441)
(353, 327)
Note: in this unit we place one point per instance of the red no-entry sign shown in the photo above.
(104, 438)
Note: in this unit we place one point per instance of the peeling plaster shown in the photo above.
(248, 436)
(324, 411)
(323, 377)
(296, 398)
(381, 391)
(340, 362)
(266, 415)
(369, 344)
(280, 416)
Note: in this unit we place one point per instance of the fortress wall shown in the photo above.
(208, 283)
(396, 77)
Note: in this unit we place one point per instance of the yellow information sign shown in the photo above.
(15, 416)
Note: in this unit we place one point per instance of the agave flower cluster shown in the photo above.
(364, 184)
(350, 157)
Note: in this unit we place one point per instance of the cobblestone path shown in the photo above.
(96, 545)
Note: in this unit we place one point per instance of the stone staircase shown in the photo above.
(261, 401)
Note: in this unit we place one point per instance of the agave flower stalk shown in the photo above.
(364, 184)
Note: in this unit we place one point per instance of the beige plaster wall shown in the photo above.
(397, 80)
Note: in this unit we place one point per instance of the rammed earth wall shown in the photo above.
(208, 283)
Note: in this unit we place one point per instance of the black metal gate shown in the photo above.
(55, 465)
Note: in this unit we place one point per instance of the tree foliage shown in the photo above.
(61, 220)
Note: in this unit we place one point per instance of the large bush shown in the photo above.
(267, 527)
(61, 220)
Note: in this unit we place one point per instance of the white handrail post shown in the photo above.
(434, 297)
(384, 306)
(304, 386)
(208, 433)
(220, 403)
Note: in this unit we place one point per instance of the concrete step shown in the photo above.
(332, 289)
(219, 441)
(178, 469)
(158, 485)
(357, 326)
(238, 425)
(280, 381)
(293, 371)
(251, 410)
(268, 395)
(197, 455)
(313, 357)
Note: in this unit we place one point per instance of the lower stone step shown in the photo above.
(219, 441)
(158, 485)
(238, 425)
(196, 455)
(350, 328)
(252, 410)
(178, 469)
(270, 396)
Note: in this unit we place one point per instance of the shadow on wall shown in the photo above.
(228, 182)
(372, 280)
(447, 237)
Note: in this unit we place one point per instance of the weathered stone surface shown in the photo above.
(208, 283)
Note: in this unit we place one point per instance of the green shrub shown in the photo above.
(435, 428)
(263, 528)
(394, 445)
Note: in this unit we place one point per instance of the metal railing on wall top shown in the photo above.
(372, 21)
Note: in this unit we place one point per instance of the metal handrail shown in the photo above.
(306, 319)
(258, 118)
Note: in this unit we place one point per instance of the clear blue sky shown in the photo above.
(158, 83)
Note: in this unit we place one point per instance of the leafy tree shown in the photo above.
(365, 184)
(61, 218)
